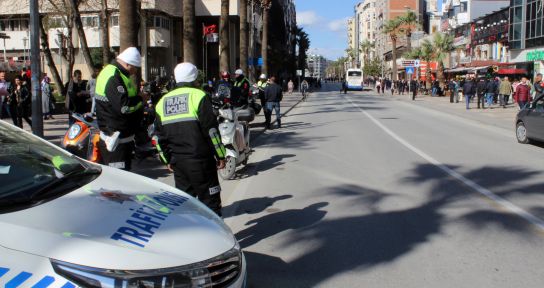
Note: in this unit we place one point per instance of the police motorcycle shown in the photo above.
(82, 138)
(255, 94)
(234, 130)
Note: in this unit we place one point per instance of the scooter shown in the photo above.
(82, 138)
(255, 94)
(235, 133)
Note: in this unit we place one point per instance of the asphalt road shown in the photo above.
(361, 190)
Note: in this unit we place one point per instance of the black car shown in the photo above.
(530, 122)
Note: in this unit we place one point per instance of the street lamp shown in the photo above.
(25, 40)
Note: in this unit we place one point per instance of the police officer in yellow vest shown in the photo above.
(261, 84)
(189, 142)
(118, 109)
(240, 89)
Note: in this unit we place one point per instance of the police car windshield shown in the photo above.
(27, 164)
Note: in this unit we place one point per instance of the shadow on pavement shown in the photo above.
(361, 242)
(252, 205)
(254, 168)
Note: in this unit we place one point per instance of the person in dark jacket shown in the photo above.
(19, 102)
(413, 88)
(481, 89)
(273, 95)
(78, 96)
(539, 86)
(119, 109)
(490, 88)
(189, 142)
(469, 88)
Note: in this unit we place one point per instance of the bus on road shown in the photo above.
(354, 79)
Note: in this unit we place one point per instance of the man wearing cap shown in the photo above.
(188, 138)
(118, 109)
(242, 86)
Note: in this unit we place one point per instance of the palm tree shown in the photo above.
(391, 28)
(442, 47)
(265, 5)
(224, 43)
(427, 55)
(409, 21)
(189, 32)
(303, 42)
(244, 36)
(351, 56)
(128, 28)
(365, 49)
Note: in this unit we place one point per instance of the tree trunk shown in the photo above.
(244, 36)
(428, 81)
(49, 58)
(224, 61)
(440, 73)
(189, 32)
(394, 61)
(105, 36)
(128, 25)
(264, 42)
(409, 41)
(81, 33)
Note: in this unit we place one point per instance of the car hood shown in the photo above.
(119, 221)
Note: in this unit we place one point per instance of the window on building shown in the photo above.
(90, 21)
(114, 20)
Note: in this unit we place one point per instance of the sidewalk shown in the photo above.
(496, 116)
(55, 129)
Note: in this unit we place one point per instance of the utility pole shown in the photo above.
(37, 117)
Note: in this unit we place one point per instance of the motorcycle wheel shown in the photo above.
(230, 168)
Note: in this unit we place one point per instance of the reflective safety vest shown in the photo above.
(239, 83)
(262, 84)
(179, 105)
(102, 80)
(182, 105)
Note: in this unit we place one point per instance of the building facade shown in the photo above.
(317, 65)
(526, 34)
(160, 36)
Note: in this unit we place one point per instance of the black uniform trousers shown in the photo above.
(120, 158)
(198, 178)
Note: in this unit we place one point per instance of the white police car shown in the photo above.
(69, 223)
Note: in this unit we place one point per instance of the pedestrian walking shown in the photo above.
(119, 109)
(491, 88)
(188, 139)
(451, 90)
(538, 86)
(413, 88)
(273, 95)
(505, 89)
(19, 103)
(469, 88)
(481, 88)
(378, 86)
(91, 87)
(523, 93)
(46, 96)
(4, 93)
(290, 87)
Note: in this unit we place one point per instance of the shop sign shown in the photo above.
(535, 55)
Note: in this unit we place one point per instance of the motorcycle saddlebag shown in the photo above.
(246, 115)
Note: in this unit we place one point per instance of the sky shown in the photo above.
(326, 23)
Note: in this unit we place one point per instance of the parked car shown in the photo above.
(67, 222)
(530, 122)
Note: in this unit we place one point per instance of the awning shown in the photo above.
(511, 71)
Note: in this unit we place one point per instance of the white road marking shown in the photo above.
(539, 223)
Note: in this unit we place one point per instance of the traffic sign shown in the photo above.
(409, 70)
(416, 63)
